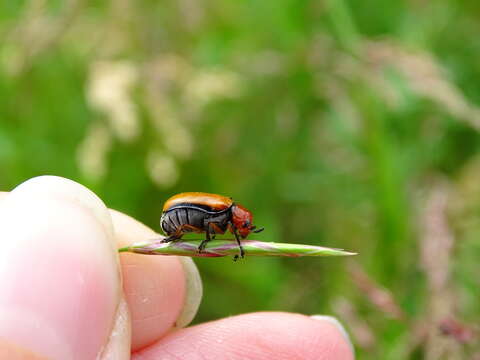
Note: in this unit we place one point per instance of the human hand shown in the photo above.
(62, 297)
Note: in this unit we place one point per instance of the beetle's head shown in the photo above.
(243, 220)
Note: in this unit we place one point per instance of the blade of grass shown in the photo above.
(216, 248)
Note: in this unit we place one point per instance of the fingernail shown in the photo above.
(118, 346)
(193, 293)
(59, 278)
(334, 321)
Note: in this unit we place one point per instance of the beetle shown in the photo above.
(205, 213)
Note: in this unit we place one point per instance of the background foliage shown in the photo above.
(351, 124)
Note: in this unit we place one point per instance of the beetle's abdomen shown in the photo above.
(194, 216)
(171, 220)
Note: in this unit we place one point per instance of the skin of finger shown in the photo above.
(51, 245)
(260, 336)
(9, 350)
(118, 346)
(73, 192)
(13, 352)
(154, 286)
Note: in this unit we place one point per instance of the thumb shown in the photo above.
(60, 289)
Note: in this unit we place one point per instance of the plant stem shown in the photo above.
(216, 248)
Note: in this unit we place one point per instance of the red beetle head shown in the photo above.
(243, 221)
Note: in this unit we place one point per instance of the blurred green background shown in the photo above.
(351, 124)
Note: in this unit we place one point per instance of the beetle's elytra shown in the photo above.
(205, 213)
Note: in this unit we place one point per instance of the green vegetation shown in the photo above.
(347, 124)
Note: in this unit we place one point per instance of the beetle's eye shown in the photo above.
(246, 224)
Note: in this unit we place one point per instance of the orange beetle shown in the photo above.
(205, 213)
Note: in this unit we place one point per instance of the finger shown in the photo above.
(14, 352)
(260, 336)
(59, 277)
(161, 291)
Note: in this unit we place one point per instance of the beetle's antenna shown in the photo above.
(258, 230)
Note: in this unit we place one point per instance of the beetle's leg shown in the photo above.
(216, 230)
(171, 238)
(242, 253)
(177, 235)
(207, 239)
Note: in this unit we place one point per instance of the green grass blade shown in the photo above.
(216, 248)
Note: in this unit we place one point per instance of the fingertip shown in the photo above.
(155, 291)
(68, 190)
(14, 352)
(259, 336)
(338, 326)
(128, 230)
(59, 271)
